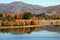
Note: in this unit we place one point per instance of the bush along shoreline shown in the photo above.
(10, 19)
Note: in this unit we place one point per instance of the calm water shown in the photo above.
(40, 35)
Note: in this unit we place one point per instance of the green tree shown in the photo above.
(27, 15)
(0, 15)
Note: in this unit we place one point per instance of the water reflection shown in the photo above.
(43, 33)
(52, 28)
(47, 33)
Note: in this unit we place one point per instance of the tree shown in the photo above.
(11, 15)
(34, 17)
(18, 16)
(0, 15)
(27, 15)
(4, 15)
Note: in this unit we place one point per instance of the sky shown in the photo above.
(35, 2)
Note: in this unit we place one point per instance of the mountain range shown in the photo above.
(21, 7)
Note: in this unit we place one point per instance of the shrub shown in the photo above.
(3, 23)
(10, 23)
(16, 23)
(7, 23)
(27, 22)
(34, 22)
(22, 23)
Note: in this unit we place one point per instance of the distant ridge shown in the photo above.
(18, 7)
(21, 7)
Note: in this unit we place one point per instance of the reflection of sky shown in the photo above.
(33, 34)
(35, 2)
(42, 35)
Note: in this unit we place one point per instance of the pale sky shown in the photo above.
(35, 2)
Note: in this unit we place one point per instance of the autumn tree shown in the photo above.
(11, 15)
(4, 15)
(18, 16)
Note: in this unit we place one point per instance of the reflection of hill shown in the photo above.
(52, 28)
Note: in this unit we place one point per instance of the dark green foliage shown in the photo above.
(0, 15)
(27, 15)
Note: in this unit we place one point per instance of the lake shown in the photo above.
(39, 35)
